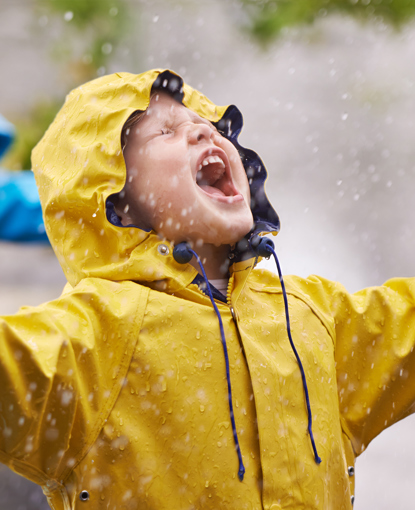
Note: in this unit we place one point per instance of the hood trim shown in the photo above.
(266, 220)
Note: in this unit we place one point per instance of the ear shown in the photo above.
(127, 215)
(124, 216)
(121, 208)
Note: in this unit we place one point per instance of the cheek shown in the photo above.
(242, 181)
(238, 170)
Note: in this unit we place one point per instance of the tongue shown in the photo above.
(210, 190)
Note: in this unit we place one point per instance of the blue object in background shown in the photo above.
(6, 135)
(20, 211)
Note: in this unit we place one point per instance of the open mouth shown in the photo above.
(213, 177)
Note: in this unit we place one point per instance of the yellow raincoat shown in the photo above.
(114, 396)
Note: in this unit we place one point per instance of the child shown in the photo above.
(143, 386)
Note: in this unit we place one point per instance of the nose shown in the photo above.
(200, 133)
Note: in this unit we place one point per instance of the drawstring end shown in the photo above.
(183, 254)
(313, 444)
(264, 247)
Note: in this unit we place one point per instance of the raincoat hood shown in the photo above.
(79, 164)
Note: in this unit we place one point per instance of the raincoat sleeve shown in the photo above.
(374, 352)
(62, 365)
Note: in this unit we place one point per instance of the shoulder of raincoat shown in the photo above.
(115, 395)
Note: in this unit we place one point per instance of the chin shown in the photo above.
(230, 235)
(216, 233)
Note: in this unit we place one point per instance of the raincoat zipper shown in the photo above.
(228, 297)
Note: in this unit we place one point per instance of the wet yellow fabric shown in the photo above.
(118, 388)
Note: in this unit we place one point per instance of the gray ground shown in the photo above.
(330, 108)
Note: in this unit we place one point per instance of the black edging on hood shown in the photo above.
(266, 220)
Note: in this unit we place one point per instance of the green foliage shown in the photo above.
(30, 130)
(84, 12)
(268, 17)
(91, 30)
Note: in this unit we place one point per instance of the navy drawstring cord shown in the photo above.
(183, 254)
(264, 247)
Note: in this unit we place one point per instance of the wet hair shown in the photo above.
(172, 87)
(132, 121)
(158, 87)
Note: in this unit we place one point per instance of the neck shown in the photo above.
(214, 259)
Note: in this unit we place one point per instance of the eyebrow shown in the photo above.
(199, 118)
(171, 117)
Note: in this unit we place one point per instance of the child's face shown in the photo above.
(184, 179)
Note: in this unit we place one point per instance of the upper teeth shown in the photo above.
(211, 159)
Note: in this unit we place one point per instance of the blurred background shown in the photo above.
(327, 90)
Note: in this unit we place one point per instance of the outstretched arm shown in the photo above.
(374, 353)
(62, 365)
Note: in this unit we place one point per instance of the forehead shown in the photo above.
(165, 108)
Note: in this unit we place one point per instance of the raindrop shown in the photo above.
(344, 116)
(106, 48)
(113, 11)
(155, 19)
(174, 181)
(68, 16)
(66, 397)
